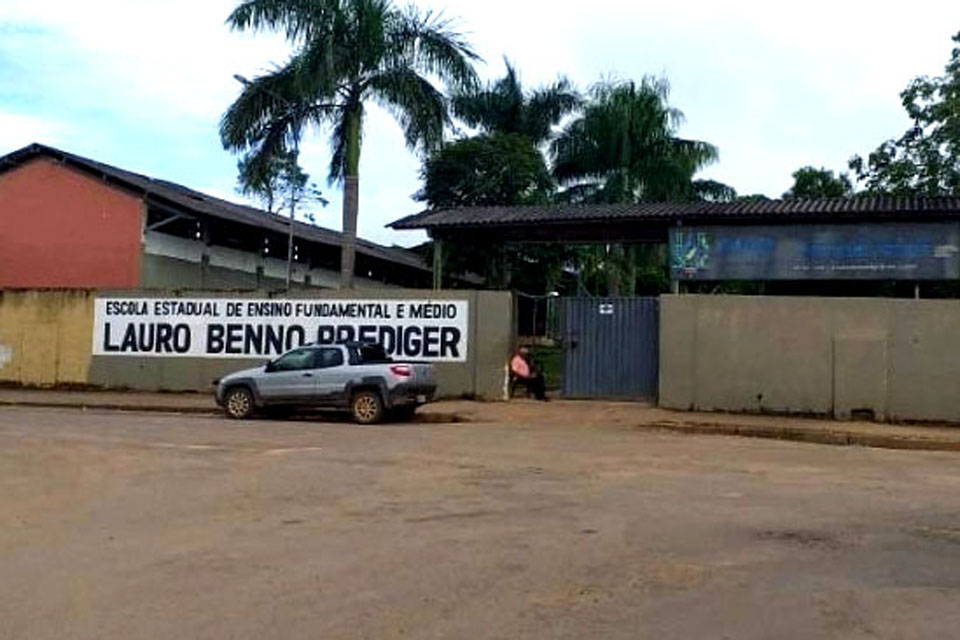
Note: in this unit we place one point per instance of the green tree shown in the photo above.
(488, 170)
(504, 106)
(753, 197)
(623, 148)
(712, 191)
(925, 160)
(496, 169)
(819, 183)
(347, 54)
(279, 183)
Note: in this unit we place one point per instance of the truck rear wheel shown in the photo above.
(238, 403)
(366, 407)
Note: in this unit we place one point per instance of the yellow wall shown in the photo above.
(45, 336)
(46, 339)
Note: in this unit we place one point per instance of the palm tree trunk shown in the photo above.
(351, 201)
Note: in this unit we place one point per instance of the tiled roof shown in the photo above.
(767, 210)
(192, 201)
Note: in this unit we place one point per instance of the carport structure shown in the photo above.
(656, 222)
(806, 241)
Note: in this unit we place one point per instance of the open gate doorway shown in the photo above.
(610, 347)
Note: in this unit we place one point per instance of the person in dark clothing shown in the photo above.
(525, 372)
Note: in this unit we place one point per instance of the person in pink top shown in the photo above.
(523, 371)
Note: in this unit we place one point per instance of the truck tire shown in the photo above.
(238, 403)
(366, 407)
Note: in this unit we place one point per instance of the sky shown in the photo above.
(776, 86)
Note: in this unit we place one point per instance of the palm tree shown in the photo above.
(347, 53)
(504, 107)
(623, 148)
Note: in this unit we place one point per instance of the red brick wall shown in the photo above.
(62, 228)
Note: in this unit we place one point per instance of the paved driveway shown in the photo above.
(130, 525)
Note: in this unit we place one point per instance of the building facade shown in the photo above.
(71, 222)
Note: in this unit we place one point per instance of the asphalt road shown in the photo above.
(126, 525)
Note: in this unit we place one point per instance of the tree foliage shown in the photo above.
(496, 169)
(809, 182)
(925, 160)
(712, 191)
(279, 183)
(623, 147)
(504, 106)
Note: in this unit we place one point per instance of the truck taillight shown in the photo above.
(401, 370)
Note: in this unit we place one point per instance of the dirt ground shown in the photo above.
(136, 525)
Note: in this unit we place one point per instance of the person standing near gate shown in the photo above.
(524, 371)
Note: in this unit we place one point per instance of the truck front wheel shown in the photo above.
(238, 403)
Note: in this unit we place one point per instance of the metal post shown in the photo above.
(536, 304)
(674, 281)
(437, 264)
(293, 200)
(916, 290)
(290, 248)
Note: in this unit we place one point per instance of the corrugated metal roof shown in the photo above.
(164, 192)
(768, 210)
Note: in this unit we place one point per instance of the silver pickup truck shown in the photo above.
(359, 378)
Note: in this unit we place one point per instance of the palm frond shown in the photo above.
(504, 107)
(416, 104)
(296, 18)
(429, 42)
(264, 101)
(546, 107)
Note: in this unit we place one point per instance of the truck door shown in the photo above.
(291, 378)
(333, 374)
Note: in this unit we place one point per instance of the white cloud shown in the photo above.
(18, 130)
(775, 85)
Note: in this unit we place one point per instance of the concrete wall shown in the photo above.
(899, 359)
(62, 228)
(46, 338)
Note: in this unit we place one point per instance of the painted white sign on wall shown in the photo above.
(430, 330)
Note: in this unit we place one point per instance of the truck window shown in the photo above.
(329, 358)
(369, 354)
(295, 360)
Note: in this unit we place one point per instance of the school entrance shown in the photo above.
(610, 347)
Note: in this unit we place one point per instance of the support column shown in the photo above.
(437, 264)
(203, 235)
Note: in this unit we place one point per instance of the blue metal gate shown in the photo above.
(611, 347)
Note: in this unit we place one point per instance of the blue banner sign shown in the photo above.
(873, 251)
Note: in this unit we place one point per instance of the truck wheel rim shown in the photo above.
(239, 404)
(366, 408)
